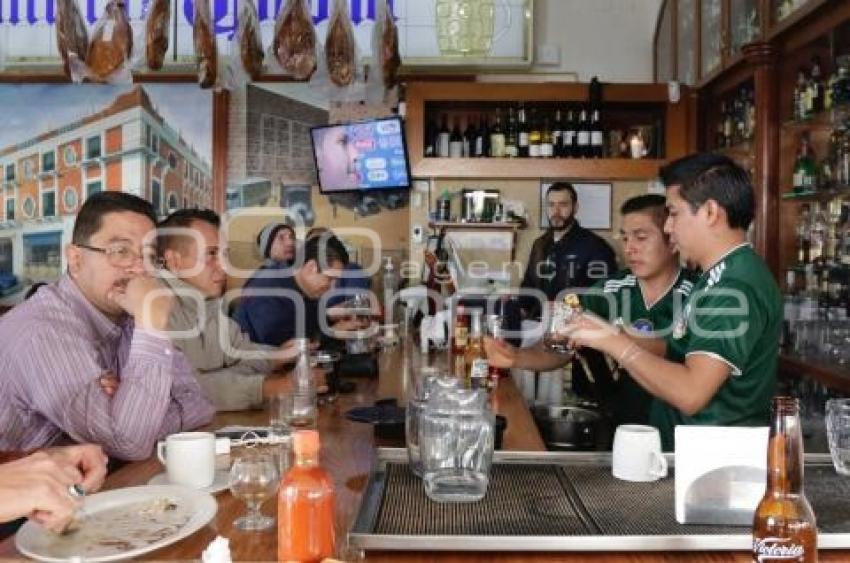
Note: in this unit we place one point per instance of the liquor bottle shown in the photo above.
(475, 361)
(534, 134)
(582, 135)
(801, 96)
(456, 141)
(305, 506)
(497, 137)
(728, 125)
(443, 137)
(803, 234)
(750, 118)
(469, 136)
(495, 328)
(558, 135)
(511, 135)
(460, 337)
(522, 133)
(816, 87)
(597, 136)
(547, 140)
(805, 170)
(817, 237)
(568, 148)
(784, 527)
(720, 135)
(481, 146)
(739, 118)
(431, 132)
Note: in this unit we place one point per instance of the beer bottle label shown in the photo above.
(770, 549)
(479, 372)
(461, 336)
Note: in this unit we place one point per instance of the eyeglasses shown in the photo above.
(119, 255)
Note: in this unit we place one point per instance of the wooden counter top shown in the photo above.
(348, 450)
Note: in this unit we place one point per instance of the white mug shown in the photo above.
(637, 453)
(189, 458)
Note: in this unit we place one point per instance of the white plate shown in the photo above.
(122, 524)
(220, 483)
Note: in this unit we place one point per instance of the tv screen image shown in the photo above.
(365, 155)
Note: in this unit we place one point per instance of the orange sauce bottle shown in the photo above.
(305, 506)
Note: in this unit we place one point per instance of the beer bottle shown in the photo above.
(784, 526)
(477, 366)
(460, 337)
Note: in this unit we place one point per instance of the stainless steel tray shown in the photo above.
(554, 501)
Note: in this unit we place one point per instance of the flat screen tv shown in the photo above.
(365, 155)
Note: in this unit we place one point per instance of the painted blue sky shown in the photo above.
(27, 110)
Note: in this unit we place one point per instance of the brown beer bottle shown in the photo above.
(784, 526)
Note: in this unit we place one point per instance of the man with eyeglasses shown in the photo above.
(103, 320)
(233, 371)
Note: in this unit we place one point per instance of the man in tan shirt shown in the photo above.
(235, 373)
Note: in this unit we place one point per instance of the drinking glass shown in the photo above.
(838, 433)
(254, 479)
(560, 315)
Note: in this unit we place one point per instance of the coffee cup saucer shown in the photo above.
(220, 483)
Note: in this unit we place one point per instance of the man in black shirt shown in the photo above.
(566, 255)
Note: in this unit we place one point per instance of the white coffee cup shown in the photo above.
(189, 458)
(637, 454)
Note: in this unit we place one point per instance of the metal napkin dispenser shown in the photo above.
(479, 205)
(720, 474)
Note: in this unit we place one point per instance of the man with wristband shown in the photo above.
(718, 366)
(641, 298)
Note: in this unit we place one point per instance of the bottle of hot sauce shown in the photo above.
(305, 507)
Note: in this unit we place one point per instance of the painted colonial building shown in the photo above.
(44, 180)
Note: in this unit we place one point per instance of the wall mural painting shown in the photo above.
(61, 143)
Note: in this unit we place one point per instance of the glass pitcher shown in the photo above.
(456, 434)
(465, 27)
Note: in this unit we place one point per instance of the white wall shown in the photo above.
(611, 39)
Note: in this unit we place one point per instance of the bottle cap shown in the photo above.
(305, 442)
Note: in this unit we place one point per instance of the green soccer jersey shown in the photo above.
(620, 300)
(734, 314)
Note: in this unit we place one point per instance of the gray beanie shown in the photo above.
(266, 236)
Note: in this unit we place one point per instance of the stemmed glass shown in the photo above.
(254, 479)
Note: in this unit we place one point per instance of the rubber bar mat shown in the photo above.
(521, 500)
(555, 500)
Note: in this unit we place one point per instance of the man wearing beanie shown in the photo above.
(283, 304)
(276, 244)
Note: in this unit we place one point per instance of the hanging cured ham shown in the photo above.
(250, 40)
(206, 52)
(71, 33)
(156, 33)
(112, 41)
(294, 43)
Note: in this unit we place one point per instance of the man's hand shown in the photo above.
(147, 300)
(499, 354)
(88, 459)
(589, 330)
(38, 486)
(109, 382)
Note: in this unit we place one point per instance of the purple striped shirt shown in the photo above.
(54, 348)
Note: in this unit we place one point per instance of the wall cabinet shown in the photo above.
(626, 109)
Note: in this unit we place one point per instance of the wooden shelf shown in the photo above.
(519, 168)
(823, 120)
(515, 226)
(833, 376)
(817, 195)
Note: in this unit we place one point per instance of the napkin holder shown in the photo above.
(720, 474)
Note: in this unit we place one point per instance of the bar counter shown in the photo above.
(348, 453)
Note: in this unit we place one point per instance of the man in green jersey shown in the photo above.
(642, 299)
(718, 366)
